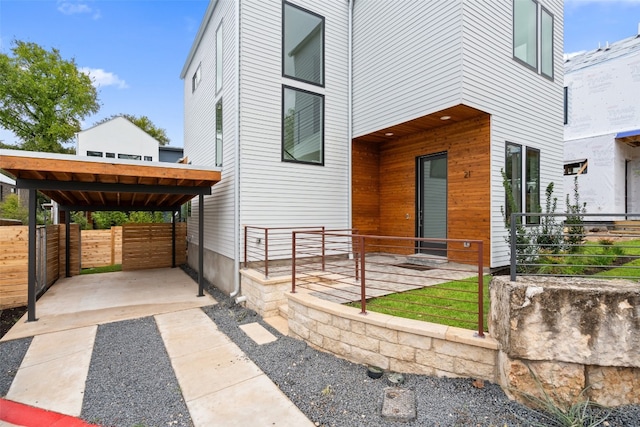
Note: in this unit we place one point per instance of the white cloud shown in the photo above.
(74, 7)
(101, 77)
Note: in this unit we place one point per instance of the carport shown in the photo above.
(96, 184)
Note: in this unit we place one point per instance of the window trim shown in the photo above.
(507, 209)
(513, 38)
(282, 130)
(540, 10)
(284, 74)
(566, 105)
(196, 78)
(531, 220)
(544, 10)
(219, 141)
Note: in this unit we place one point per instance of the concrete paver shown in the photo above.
(258, 333)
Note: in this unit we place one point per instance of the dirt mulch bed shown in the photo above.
(9, 317)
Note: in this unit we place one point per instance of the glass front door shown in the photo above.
(432, 203)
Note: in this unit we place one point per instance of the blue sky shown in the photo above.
(135, 49)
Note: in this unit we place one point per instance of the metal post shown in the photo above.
(363, 292)
(514, 238)
(356, 257)
(266, 253)
(323, 247)
(201, 245)
(293, 262)
(67, 240)
(173, 239)
(480, 290)
(31, 291)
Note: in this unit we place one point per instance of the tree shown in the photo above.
(43, 97)
(144, 123)
(11, 208)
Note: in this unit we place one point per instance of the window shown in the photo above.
(219, 133)
(148, 158)
(566, 105)
(130, 156)
(302, 126)
(303, 45)
(219, 58)
(195, 80)
(533, 36)
(576, 167)
(94, 153)
(110, 155)
(533, 185)
(530, 192)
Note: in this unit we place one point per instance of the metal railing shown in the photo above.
(266, 247)
(436, 280)
(601, 246)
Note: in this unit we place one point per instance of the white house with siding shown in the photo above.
(395, 118)
(602, 127)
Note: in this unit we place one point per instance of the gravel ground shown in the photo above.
(11, 355)
(131, 381)
(334, 392)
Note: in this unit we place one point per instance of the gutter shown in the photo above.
(350, 118)
(236, 166)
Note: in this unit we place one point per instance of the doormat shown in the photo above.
(413, 266)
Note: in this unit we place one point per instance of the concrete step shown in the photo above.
(279, 323)
(284, 310)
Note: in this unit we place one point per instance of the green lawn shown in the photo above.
(453, 303)
(105, 269)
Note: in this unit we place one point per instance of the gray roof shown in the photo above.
(615, 50)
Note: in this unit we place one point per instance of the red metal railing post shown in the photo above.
(356, 256)
(363, 291)
(266, 252)
(480, 291)
(323, 238)
(245, 246)
(293, 262)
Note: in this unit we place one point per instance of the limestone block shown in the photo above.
(320, 316)
(367, 357)
(417, 341)
(342, 323)
(397, 351)
(403, 366)
(385, 334)
(327, 330)
(356, 327)
(432, 359)
(298, 330)
(315, 338)
(575, 320)
(361, 341)
(562, 382)
(336, 347)
(613, 386)
(475, 369)
(464, 351)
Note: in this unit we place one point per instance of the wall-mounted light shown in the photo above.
(445, 117)
(388, 134)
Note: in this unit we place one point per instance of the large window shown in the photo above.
(566, 105)
(303, 45)
(302, 126)
(523, 192)
(219, 133)
(219, 58)
(533, 36)
(196, 79)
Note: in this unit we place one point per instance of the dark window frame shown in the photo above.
(91, 153)
(221, 57)
(518, 189)
(284, 74)
(540, 9)
(532, 220)
(218, 123)
(513, 38)
(282, 128)
(544, 10)
(566, 105)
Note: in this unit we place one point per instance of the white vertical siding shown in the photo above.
(276, 193)
(526, 108)
(200, 130)
(407, 60)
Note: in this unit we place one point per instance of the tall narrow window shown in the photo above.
(219, 133)
(513, 171)
(525, 36)
(303, 45)
(546, 43)
(219, 56)
(533, 185)
(566, 105)
(195, 79)
(302, 126)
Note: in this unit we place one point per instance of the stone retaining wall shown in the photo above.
(568, 335)
(264, 295)
(392, 343)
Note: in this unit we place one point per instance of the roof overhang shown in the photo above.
(631, 137)
(88, 183)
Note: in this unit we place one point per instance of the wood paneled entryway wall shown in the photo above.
(384, 183)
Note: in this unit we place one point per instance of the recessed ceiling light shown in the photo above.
(388, 134)
(445, 117)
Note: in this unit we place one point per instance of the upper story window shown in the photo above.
(94, 153)
(303, 45)
(219, 133)
(219, 58)
(566, 105)
(525, 187)
(533, 36)
(148, 158)
(130, 156)
(195, 80)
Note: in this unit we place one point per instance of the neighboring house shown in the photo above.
(395, 118)
(170, 154)
(117, 138)
(602, 127)
(7, 186)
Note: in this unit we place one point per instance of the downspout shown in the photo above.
(350, 118)
(236, 165)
